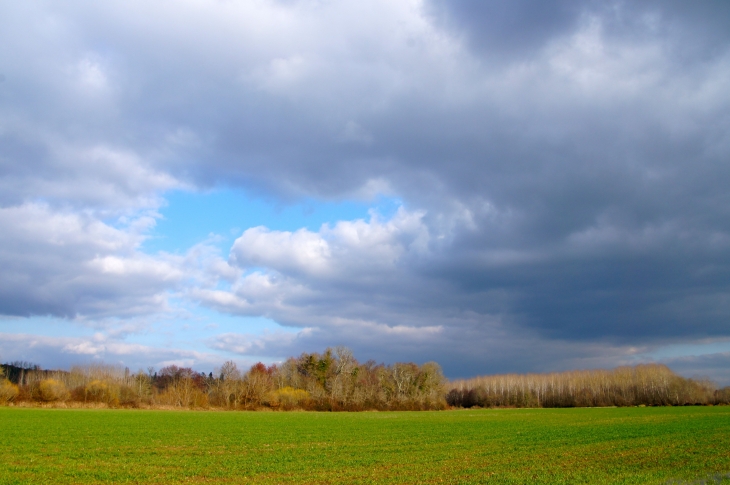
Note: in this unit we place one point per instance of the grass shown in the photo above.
(549, 446)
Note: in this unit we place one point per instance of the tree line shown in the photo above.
(335, 381)
(647, 384)
(331, 381)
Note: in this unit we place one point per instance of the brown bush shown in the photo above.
(288, 398)
(129, 397)
(50, 390)
(8, 391)
(183, 393)
(97, 391)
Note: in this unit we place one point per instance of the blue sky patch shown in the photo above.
(190, 218)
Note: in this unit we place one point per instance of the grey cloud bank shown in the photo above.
(563, 166)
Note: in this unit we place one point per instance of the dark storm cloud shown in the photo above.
(513, 31)
(507, 30)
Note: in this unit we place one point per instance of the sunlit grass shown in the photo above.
(617, 445)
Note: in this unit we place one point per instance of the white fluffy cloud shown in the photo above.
(66, 264)
(305, 278)
(348, 250)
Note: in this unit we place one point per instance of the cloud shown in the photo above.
(329, 269)
(64, 352)
(350, 248)
(507, 30)
(519, 30)
(65, 264)
(376, 286)
(708, 366)
(562, 167)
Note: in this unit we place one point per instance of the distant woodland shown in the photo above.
(647, 384)
(335, 381)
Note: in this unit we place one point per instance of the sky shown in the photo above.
(500, 187)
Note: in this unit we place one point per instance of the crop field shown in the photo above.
(550, 446)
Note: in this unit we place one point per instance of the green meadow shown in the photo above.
(543, 446)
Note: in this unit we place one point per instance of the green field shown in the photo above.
(618, 445)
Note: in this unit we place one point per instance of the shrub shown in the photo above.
(52, 390)
(128, 397)
(8, 391)
(97, 391)
(288, 398)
